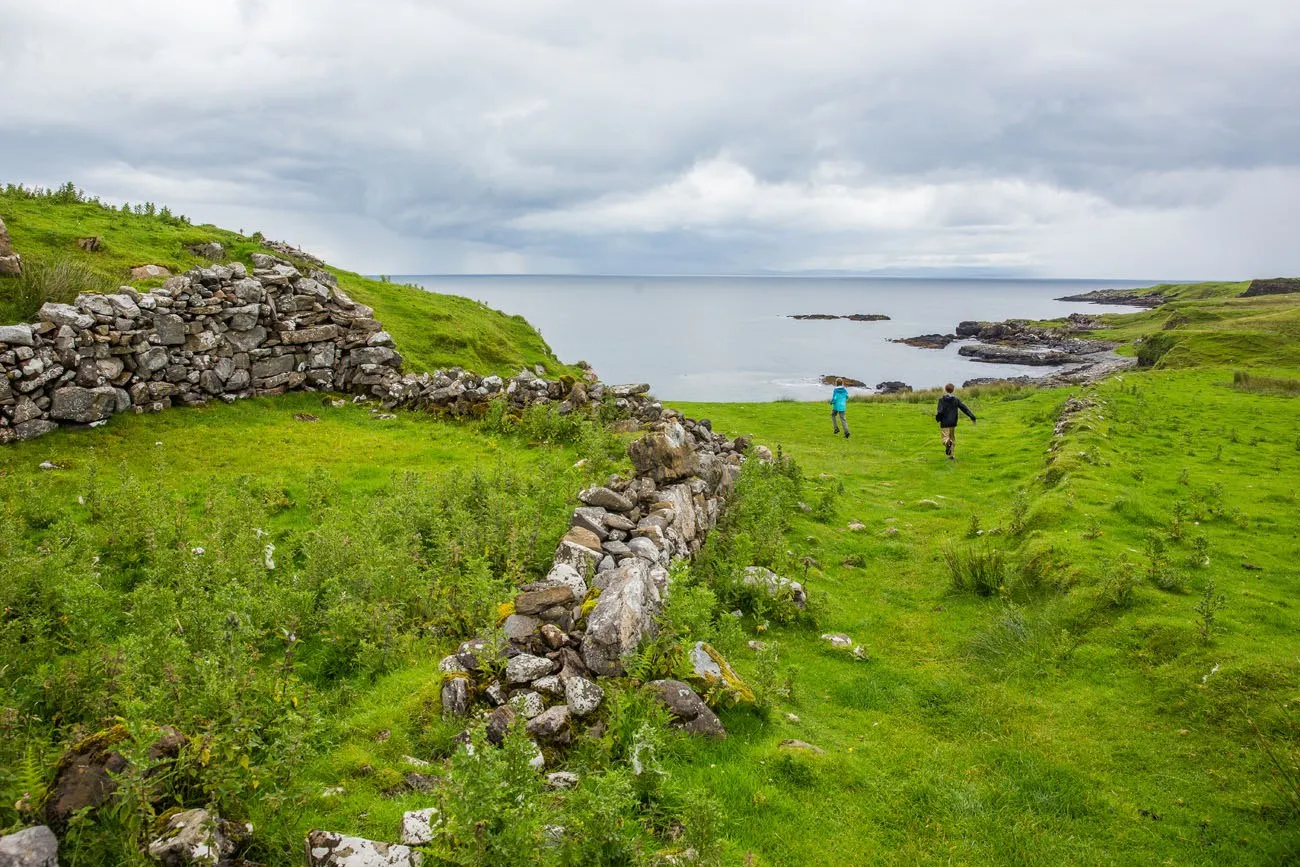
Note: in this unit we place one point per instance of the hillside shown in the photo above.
(433, 330)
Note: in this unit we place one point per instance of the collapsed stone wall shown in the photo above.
(11, 264)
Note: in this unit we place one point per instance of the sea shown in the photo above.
(733, 338)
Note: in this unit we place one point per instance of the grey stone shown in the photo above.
(171, 329)
(563, 573)
(689, 711)
(606, 499)
(16, 335)
(30, 847)
(582, 696)
(520, 627)
(246, 341)
(665, 454)
(551, 726)
(328, 849)
(455, 696)
(65, 314)
(526, 668)
(528, 704)
(273, 366)
(550, 685)
(561, 780)
(191, 837)
(83, 405)
(420, 826)
(622, 618)
(37, 428)
(582, 560)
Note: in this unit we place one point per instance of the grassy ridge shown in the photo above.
(432, 330)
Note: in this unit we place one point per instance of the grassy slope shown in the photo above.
(984, 732)
(432, 330)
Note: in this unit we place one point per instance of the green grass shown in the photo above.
(431, 330)
(1045, 730)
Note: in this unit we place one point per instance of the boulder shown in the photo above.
(191, 837)
(584, 537)
(563, 573)
(551, 726)
(30, 847)
(689, 711)
(892, 387)
(527, 704)
(455, 695)
(420, 826)
(17, 335)
(582, 696)
(665, 454)
(327, 849)
(606, 499)
(715, 675)
(83, 405)
(83, 778)
(148, 272)
(536, 601)
(525, 668)
(623, 617)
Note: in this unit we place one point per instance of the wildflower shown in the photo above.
(197, 551)
(268, 556)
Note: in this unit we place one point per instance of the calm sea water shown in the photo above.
(731, 338)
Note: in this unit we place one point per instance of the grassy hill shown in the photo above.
(432, 330)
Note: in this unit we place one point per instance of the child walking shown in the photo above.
(946, 415)
(839, 403)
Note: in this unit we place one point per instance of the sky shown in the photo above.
(1098, 138)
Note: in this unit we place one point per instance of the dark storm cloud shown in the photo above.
(1091, 139)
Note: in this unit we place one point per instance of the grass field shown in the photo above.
(1074, 716)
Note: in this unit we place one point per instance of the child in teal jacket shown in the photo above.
(839, 403)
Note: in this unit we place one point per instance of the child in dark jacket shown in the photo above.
(946, 415)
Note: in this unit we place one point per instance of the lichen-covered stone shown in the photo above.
(711, 671)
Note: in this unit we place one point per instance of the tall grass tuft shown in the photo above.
(58, 281)
(977, 569)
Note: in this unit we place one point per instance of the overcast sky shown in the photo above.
(1133, 138)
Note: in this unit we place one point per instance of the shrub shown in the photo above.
(1153, 347)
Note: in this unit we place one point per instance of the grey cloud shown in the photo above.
(472, 132)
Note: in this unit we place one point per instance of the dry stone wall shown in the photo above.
(213, 333)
